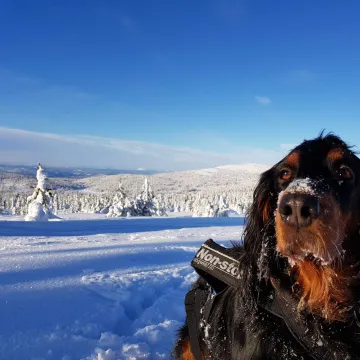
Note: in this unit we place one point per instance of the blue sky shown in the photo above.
(186, 84)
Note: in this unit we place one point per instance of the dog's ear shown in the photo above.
(260, 217)
(259, 230)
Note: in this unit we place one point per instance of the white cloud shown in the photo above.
(263, 100)
(27, 147)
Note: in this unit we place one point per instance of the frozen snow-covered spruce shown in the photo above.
(203, 207)
(39, 203)
(121, 205)
(146, 204)
(222, 208)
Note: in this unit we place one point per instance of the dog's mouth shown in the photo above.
(317, 245)
(316, 259)
(309, 228)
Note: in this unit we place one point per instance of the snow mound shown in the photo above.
(36, 212)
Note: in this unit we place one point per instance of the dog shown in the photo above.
(301, 245)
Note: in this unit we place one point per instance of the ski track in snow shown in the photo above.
(102, 296)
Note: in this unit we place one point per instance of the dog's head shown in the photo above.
(309, 204)
(317, 211)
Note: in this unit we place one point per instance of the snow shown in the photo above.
(41, 178)
(237, 168)
(251, 167)
(36, 212)
(303, 186)
(100, 288)
(299, 186)
(190, 191)
(40, 202)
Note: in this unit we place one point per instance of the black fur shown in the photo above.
(241, 329)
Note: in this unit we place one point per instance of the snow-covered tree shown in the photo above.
(129, 208)
(146, 204)
(121, 205)
(222, 208)
(159, 207)
(39, 203)
(202, 207)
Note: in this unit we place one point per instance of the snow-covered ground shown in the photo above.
(98, 289)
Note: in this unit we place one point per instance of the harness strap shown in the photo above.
(283, 306)
(218, 270)
(216, 265)
(194, 300)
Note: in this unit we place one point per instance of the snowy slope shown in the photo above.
(230, 177)
(251, 168)
(100, 289)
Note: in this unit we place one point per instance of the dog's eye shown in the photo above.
(344, 173)
(285, 175)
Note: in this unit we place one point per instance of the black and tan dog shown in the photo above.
(301, 245)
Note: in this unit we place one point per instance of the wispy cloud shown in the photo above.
(263, 100)
(35, 89)
(26, 147)
(297, 76)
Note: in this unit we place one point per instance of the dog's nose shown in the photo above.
(299, 210)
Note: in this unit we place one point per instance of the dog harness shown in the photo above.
(218, 270)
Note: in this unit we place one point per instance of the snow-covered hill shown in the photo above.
(204, 179)
(236, 177)
(246, 168)
(192, 191)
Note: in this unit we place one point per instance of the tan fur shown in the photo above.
(324, 288)
(266, 212)
(187, 354)
(335, 154)
(293, 159)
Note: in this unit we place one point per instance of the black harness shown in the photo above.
(219, 270)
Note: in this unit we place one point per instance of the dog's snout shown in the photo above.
(299, 210)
